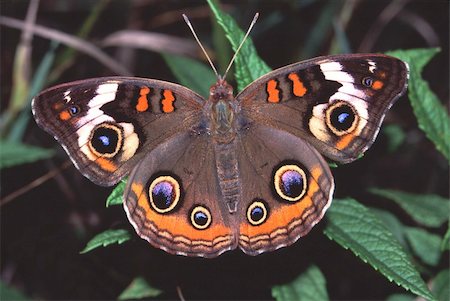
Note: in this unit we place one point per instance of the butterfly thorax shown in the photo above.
(222, 110)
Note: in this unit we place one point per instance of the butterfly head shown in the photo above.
(221, 91)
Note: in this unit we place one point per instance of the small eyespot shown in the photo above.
(200, 217)
(290, 182)
(164, 194)
(74, 110)
(257, 212)
(367, 81)
(341, 118)
(106, 140)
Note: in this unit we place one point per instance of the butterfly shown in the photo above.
(211, 175)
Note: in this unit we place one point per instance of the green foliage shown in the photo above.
(424, 244)
(441, 286)
(107, 238)
(392, 223)
(429, 210)
(396, 136)
(116, 196)
(309, 286)
(184, 69)
(355, 227)
(9, 293)
(12, 153)
(446, 241)
(401, 297)
(139, 289)
(248, 65)
(431, 114)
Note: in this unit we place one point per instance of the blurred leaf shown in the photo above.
(248, 65)
(321, 29)
(427, 209)
(12, 154)
(392, 224)
(37, 83)
(139, 289)
(116, 196)
(191, 73)
(441, 286)
(67, 57)
(355, 227)
(401, 297)
(430, 113)
(395, 135)
(9, 293)
(424, 244)
(446, 241)
(107, 238)
(309, 286)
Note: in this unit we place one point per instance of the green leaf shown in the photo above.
(401, 297)
(396, 136)
(355, 227)
(424, 244)
(248, 65)
(392, 223)
(116, 196)
(427, 209)
(138, 289)
(430, 113)
(441, 286)
(12, 153)
(309, 286)
(445, 245)
(9, 293)
(191, 73)
(107, 238)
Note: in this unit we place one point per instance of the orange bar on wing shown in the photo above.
(272, 90)
(167, 102)
(298, 89)
(106, 164)
(64, 115)
(142, 104)
(344, 141)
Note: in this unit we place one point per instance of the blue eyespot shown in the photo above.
(104, 140)
(342, 117)
(292, 183)
(74, 110)
(257, 212)
(163, 195)
(200, 217)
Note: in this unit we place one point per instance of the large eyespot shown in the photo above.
(341, 118)
(200, 217)
(164, 193)
(290, 182)
(257, 212)
(106, 140)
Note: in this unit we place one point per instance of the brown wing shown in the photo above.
(107, 125)
(336, 103)
(286, 189)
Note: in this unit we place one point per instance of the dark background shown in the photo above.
(43, 230)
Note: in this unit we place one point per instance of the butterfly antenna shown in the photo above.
(242, 43)
(186, 19)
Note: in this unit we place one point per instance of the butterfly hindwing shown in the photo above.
(106, 125)
(174, 201)
(336, 103)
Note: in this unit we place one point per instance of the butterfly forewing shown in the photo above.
(336, 103)
(107, 125)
